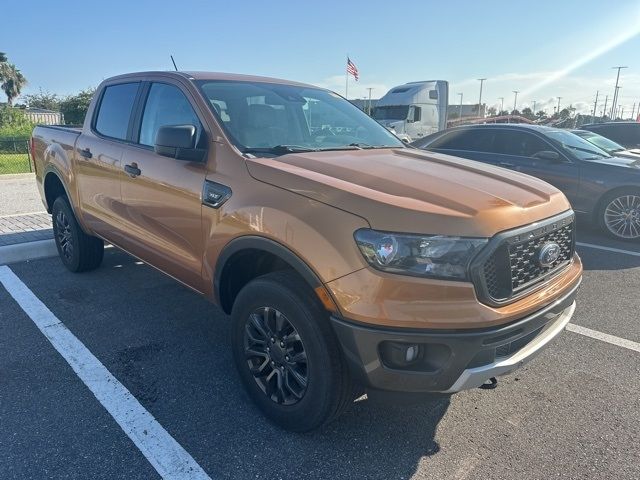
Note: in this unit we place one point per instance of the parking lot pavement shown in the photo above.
(572, 412)
(19, 194)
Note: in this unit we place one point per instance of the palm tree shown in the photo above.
(12, 81)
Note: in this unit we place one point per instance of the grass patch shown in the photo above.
(14, 163)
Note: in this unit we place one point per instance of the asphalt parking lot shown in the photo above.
(574, 412)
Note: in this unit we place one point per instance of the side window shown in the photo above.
(115, 110)
(415, 114)
(166, 105)
(468, 140)
(520, 144)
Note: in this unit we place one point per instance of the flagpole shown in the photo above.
(346, 87)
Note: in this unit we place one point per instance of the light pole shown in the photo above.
(604, 110)
(595, 105)
(558, 106)
(369, 88)
(501, 103)
(515, 100)
(615, 91)
(460, 111)
(481, 80)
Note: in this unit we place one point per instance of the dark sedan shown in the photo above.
(604, 187)
(609, 146)
(626, 134)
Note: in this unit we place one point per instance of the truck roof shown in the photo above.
(197, 75)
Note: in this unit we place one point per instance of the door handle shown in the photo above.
(132, 170)
(86, 153)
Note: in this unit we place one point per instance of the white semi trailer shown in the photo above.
(415, 109)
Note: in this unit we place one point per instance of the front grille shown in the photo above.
(511, 266)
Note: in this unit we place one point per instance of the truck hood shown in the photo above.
(407, 190)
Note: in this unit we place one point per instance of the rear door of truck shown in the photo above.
(98, 157)
(161, 196)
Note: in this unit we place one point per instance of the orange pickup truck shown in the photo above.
(345, 258)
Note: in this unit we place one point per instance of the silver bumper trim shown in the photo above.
(474, 377)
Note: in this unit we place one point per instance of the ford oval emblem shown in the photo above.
(549, 253)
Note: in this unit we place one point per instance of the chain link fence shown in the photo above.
(14, 156)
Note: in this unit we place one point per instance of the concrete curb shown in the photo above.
(21, 252)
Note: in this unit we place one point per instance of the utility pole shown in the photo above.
(621, 112)
(534, 108)
(460, 112)
(501, 103)
(615, 92)
(515, 100)
(369, 88)
(604, 110)
(558, 106)
(633, 111)
(595, 105)
(481, 80)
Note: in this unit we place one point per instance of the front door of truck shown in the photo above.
(161, 196)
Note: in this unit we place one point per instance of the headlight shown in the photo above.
(419, 255)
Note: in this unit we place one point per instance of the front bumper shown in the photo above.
(450, 361)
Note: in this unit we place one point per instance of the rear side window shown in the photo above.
(468, 140)
(166, 105)
(115, 110)
(521, 144)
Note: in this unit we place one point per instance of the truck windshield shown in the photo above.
(274, 119)
(391, 112)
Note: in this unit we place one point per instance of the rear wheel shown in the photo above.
(287, 355)
(619, 214)
(78, 251)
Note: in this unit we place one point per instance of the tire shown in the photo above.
(298, 406)
(618, 214)
(78, 251)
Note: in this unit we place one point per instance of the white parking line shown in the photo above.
(608, 249)
(604, 337)
(166, 455)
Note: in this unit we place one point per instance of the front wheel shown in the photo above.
(619, 214)
(287, 355)
(78, 251)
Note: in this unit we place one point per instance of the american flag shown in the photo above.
(352, 69)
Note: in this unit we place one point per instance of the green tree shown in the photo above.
(491, 111)
(74, 107)
(541, 114)
(12, 80)
(46, 100)
(14, 123)
(528, 113)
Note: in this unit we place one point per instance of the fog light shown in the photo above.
(399, 355)
(411, 353)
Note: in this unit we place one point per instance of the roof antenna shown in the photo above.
(174, 63)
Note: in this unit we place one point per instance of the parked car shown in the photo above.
(626, 134)
(605, 188)
(345, 258)
(609, 146)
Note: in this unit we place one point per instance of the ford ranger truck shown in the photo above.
(344, 258)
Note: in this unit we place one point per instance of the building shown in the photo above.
(468, 111)
(363, 103)
(44, 117)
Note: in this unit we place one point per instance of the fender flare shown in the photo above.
(254, 242)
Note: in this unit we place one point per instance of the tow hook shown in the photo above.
(489, 384)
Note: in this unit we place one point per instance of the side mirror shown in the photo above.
(548, 155)
(178, 141)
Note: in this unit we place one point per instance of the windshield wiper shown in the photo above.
(279, 149)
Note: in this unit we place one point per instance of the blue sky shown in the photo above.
(64, 46)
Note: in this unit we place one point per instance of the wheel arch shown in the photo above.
(250, 256)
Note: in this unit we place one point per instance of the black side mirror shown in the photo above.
(178, 141)
(548, 155)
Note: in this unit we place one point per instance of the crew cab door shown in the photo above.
(98, 158)
(161, 196)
